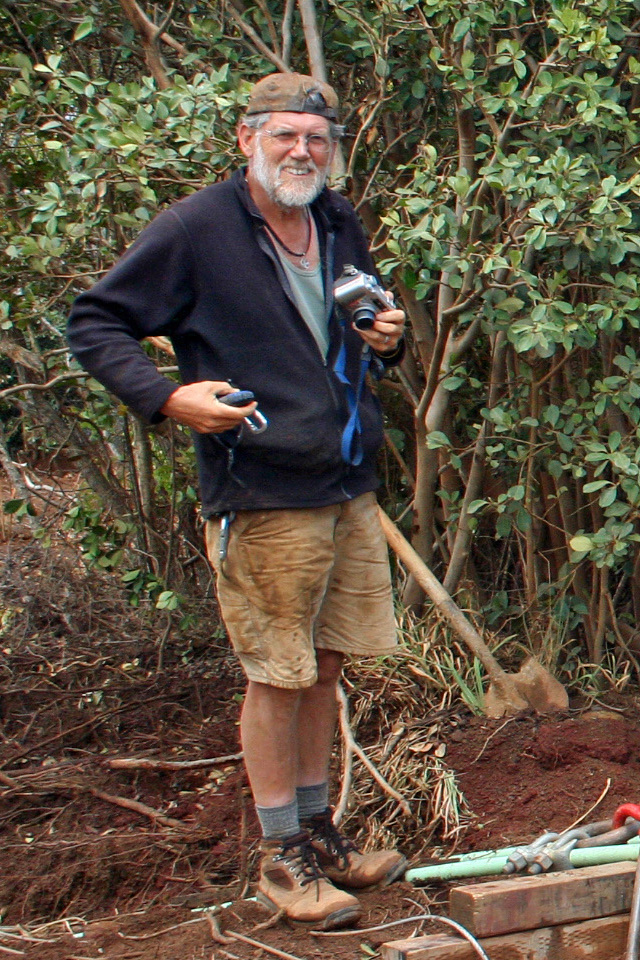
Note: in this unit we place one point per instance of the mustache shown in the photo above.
(304, 166)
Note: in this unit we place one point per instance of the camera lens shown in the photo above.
(364, 316)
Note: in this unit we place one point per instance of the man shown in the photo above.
(240, 277)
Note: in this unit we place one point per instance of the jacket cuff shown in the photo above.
(393, 357)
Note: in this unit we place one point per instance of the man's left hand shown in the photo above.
(386, 332)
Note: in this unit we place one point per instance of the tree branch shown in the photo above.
(312, 40)
(259, 44)
(149, 35)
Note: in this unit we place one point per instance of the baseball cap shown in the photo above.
(293, 93)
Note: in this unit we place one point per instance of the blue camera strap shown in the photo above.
(351, 445)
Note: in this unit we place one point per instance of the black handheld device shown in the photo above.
(239, 398)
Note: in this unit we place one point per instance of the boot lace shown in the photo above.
(338, 846)
(299, 855)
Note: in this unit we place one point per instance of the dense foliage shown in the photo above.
(492, 152)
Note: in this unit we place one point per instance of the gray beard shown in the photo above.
(290, 194)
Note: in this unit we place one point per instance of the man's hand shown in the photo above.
(195, 405)
(386, 332)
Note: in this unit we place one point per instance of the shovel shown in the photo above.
(532, 688)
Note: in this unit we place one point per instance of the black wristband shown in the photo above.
(389, 354)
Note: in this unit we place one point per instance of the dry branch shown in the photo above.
(133, 763)
(136, 807)
(357, 749)
(149, 35)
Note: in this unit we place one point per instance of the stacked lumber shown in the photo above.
(580, 914)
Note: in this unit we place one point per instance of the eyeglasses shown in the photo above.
(286, 140)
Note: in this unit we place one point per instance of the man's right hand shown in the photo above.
(195, 405)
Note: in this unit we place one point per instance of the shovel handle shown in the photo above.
(447, 607)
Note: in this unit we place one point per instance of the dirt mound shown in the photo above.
(525, 776)
(574, 742)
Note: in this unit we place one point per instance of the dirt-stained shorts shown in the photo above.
(299, 580)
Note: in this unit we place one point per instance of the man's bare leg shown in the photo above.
(287, 735)
(288, 864)
(317, 718)
(268, 729)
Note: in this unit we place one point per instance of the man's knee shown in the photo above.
(330, 664)
(273, 700)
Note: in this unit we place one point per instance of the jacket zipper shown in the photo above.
(266, 246)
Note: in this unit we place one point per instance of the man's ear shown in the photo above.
(246, 139)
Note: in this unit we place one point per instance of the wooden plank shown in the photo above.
(524, 903)
(603, 939)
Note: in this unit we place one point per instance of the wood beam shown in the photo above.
(524, 903)
(602, 939)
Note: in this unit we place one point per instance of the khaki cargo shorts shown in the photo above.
(298, 580)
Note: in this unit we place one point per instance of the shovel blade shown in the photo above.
(538, 688)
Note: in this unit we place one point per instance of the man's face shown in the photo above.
(290, 157)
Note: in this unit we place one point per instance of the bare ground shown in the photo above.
(120, 861)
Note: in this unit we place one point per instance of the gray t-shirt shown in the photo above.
(308, 291)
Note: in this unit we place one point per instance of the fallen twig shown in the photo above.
(8, 781)
(21, 934)
(357, 749)
(486, 743)
(229, 935)
(214, 927)
(136, 807)
(270, 921)
(347, 773)
(592, 807)
(145, 763)
(262, 946)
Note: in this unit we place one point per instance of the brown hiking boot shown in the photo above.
(342, 862)
(291, 880)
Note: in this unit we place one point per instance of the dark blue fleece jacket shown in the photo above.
(206, 275)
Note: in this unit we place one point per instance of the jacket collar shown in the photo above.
(324, 205)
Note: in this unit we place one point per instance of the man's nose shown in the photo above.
(301, 146)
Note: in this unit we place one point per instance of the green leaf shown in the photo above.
(381, 68)
(437, 439)
(608, 496)
(595, 485)
(168, 600)
(581, 544)
(552, 414)
(84, 29)
(461, 29)
(510, 305)
(13, 506)
(131, 575)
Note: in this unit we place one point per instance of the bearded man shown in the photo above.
(240, 277)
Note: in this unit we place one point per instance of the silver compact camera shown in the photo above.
(361, 295)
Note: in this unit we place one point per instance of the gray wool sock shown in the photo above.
(312, 800)
(279, 822)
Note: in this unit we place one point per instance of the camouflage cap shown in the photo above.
(293, 93)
